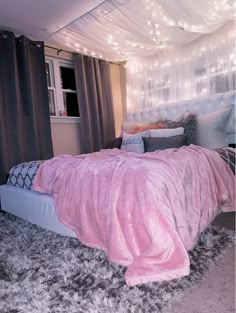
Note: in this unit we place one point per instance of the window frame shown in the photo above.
(55, 78)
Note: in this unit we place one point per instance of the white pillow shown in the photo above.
(134, 142)
(211, 129)
(167, 132)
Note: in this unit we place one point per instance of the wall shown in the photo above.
(118, 82)
(65, 136)
(117, 96)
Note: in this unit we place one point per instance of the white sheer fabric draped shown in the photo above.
(123, 29)
(203, 67)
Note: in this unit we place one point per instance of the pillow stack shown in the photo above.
(165, 139)
(159, 135)
(205, 130)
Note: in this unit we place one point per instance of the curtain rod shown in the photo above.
(70, 52)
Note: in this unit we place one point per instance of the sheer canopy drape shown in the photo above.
(93, 84)
(119, 30)
(25, 132)
(203, 67)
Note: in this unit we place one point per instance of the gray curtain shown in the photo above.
(93, 85)
(25, 132)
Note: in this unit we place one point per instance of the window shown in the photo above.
(163, 87)
(201, 81)
(217, 78)
(62, 93)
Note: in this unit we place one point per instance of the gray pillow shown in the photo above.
(160, 143)
(189, 122)
(113, 143)
(211, 129)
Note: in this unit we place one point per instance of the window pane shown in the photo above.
(48, 74)
(217, 67)
(67, 78)
(218, 83)
(51, 102)
(201, 81)
(71, 103)
(164, 94)
(234, 80)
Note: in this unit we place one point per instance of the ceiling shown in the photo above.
(115, 29)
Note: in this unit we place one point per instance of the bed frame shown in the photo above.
(39, 209)
(33, 207)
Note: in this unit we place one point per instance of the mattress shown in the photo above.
(18, 199)
(33, 207)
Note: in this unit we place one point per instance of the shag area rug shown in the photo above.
(41, 272)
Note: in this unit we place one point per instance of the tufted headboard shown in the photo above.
(200, 106)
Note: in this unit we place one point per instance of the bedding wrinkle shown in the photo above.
(144, 210)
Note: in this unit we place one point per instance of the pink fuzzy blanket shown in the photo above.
(145, 210)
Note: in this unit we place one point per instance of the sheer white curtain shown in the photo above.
(123, 29)
(203, 67)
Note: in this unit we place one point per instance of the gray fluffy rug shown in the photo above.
(42, 272)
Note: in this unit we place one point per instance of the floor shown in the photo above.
(216, 293)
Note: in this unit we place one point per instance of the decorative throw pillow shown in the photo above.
(160, 143)
(211, 129)
(113, 143)
(228, 154)
(189, 122)
(167, 132)
(134, 143)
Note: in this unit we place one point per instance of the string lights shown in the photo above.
(203, 67)
(124, 29)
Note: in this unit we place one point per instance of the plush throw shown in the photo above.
(135, 127)
(140, 208)
(134, 143)
(160, 143)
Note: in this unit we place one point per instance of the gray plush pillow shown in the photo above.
(160, 143)
(189, 122)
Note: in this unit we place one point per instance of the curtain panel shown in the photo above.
(93, 83)
(25, 132)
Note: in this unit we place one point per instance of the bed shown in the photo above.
(40, 208)
(18, 198)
